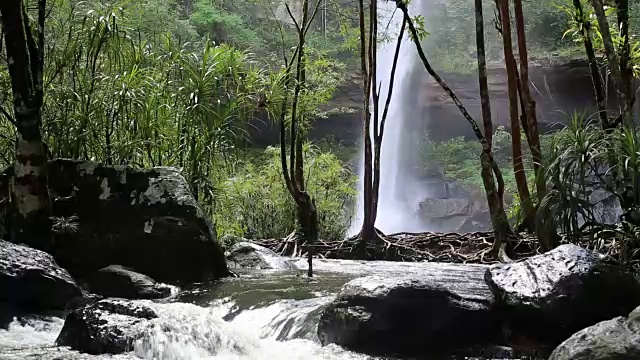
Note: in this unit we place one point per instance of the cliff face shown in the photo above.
(559, 91)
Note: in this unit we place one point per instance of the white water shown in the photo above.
(400, 192)
(189, 332)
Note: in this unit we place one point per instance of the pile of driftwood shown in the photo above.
(428, 246)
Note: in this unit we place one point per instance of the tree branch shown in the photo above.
(8, 116)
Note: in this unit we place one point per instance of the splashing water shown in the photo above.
(189, 332)
(400, 191)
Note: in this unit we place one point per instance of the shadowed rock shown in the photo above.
(446, 309)
(146, 219)
(31, 280)
(110, 326)
(615, 339)
(246, 255)
(117, 281)
(553, 295)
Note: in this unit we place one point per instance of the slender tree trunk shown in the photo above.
(495, 197)
(596, 79)
(529, 104)
(367, 60)
(490, 168)
(25, 58)
(485, 100)
(307, 215)
(626, 71)
(545, 228)
(616, 64)
(516, 141)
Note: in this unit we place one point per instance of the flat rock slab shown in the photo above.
(31, 279)
(443, 310)
(615, 339)
(553, 295)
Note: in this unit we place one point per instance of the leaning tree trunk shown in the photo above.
(25, 58)
(516, 141)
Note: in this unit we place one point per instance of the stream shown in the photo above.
(261, 315)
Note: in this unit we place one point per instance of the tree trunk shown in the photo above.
(626, 71)
(495, 199)
(596, 80)
(490, 168)
(308, 222)
(30, 193)
(529, 103)
(371, 146)
(485, 100)
(516, 141)
(545, 228)
(615, 63)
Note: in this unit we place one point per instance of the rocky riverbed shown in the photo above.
(102, 301)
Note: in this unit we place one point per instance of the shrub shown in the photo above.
(256, 204)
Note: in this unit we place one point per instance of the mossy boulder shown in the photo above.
(143, 219)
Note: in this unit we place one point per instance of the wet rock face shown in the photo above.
(454, 210)
(615, 339)
(117, 281)
(110, 326)
(553, 295)
(31, 279)
(144, 219)
(246, 255)
(443, 311)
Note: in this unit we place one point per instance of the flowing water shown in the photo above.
(400, 190)
(258, 316)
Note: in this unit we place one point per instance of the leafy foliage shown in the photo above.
(255, 203)
(133, 83)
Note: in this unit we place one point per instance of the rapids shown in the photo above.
(262, 315)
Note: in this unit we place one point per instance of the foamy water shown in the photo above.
(189, 332)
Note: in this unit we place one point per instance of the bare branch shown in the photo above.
(293, 18)
(391, 80)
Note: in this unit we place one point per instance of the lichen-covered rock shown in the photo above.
(246, 255)
(110, 326)
(446, 309)
(146, 219)
(615, 339)
(31, 279)
(118, 281)
(551, 296)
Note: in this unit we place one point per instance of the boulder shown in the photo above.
(118, 281)
(146, 219)
(460, 215)
(110, 326)
(246, 255)
(31, 279)
(615, 339)
(549, 297)
(445, 310)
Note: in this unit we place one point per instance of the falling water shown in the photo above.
(400, 191)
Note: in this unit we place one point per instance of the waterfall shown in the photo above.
(400, 191)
